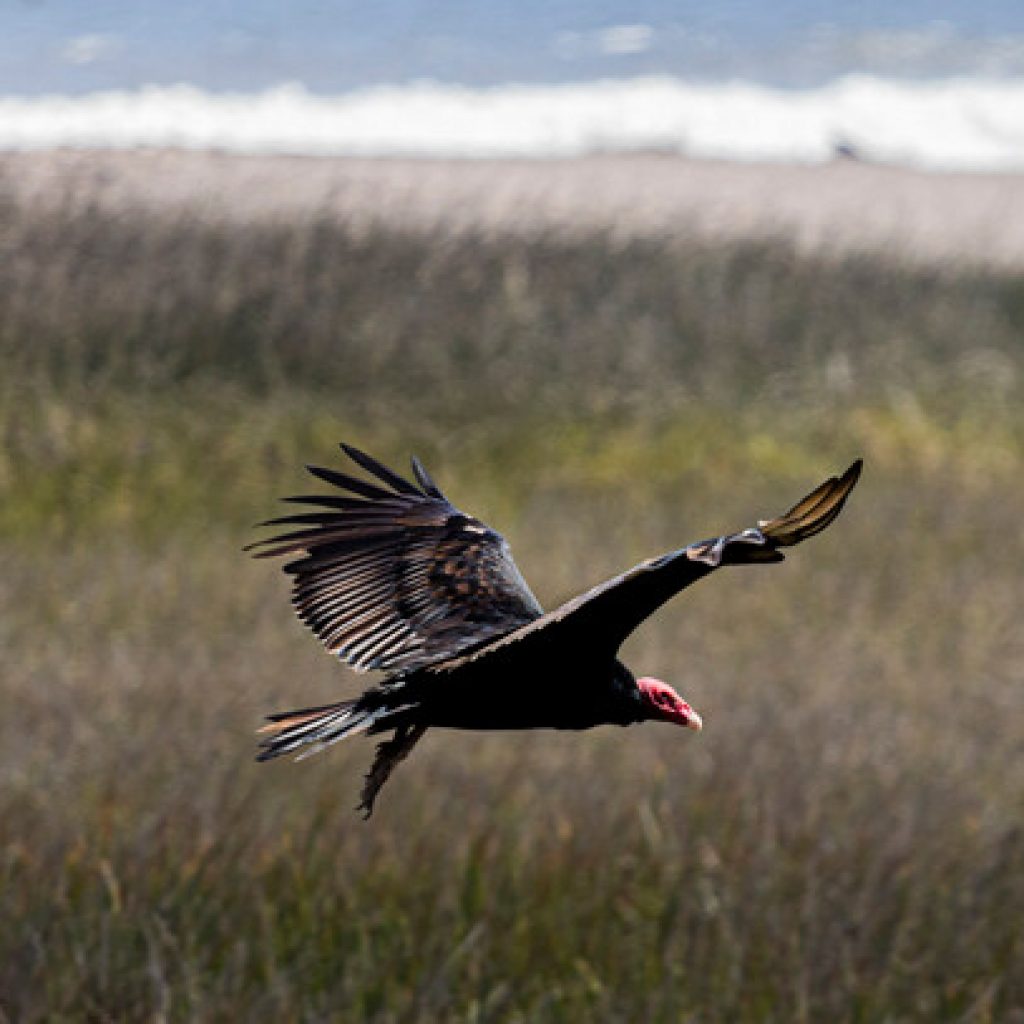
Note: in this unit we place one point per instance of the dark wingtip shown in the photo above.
(814, 512)
(250, 548)
(377, 469)
(426, 481)
(350, 483)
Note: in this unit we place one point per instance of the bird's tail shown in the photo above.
(315, 728)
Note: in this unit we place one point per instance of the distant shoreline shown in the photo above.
(843, 206)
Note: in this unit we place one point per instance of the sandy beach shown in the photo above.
(842, 206)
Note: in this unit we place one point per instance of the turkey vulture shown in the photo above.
(391, 576)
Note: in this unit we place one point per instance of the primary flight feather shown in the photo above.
(391, 576)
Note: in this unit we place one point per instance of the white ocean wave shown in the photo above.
(953, 124)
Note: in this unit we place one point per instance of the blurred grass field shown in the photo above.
(843, 841)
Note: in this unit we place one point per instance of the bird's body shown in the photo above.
(529, 696)
(391, 576)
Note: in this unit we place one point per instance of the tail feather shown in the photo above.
(316, 727)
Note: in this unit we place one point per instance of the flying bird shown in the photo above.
(393, 577)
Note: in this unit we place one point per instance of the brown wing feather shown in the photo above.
(397, 578)
(609, 612)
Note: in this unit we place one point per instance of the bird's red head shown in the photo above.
(665, 705)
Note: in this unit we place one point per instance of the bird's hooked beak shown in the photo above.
(665, 705)
(693, 720)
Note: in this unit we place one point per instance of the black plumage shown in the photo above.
(391, 576)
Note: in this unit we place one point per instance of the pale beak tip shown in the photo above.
(695, 722)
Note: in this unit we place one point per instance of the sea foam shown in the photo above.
(951, 124)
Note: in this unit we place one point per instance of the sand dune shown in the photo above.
(845, 205)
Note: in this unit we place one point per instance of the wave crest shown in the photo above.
(954, 124)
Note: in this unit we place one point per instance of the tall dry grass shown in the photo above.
(843, 841)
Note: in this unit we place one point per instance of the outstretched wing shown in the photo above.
(392, 576)
(609, 612)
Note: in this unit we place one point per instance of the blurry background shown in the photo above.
(624, 276)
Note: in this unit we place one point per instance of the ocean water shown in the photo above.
(960, 123)
(932, 83)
